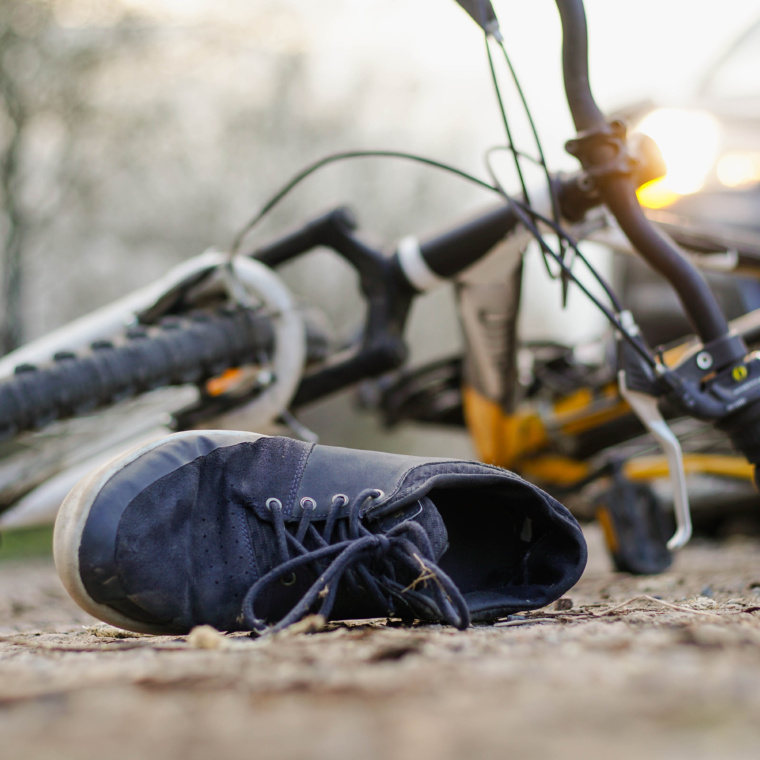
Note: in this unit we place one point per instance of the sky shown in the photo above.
(647, 48)
(673, 36)
(668, 39)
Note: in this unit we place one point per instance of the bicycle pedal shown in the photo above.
(636, 528)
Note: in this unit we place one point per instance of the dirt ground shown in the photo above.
(665, 666)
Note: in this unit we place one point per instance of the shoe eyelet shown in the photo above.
(288, 580)
(308, 503)
(377, 493)
(340, 499)
(271, 503)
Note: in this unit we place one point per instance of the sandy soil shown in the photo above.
(613, 671)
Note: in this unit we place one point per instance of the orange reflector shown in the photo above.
(224, 382)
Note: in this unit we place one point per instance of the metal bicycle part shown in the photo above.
(647, 410)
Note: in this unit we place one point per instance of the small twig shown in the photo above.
(661, 602)
(426, 575)
(527, 621)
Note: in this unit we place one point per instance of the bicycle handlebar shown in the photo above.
(720, 382)
(601, 152)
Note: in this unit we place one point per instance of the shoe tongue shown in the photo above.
(426, 514)
(430, 519)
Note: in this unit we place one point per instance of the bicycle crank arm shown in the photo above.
(646, 409)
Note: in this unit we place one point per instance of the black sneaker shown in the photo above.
(242, 532)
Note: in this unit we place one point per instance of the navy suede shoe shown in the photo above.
(248, 532)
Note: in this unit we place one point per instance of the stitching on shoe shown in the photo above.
(460, 467)
(403, 489)
(248, 538)
(297, 481)
(397, 489)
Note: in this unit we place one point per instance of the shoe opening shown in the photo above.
(510, 548)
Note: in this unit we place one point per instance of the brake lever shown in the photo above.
(647, 410)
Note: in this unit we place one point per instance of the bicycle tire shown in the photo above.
(176, 351)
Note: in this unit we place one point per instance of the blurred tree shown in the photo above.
(14, 221)
(134, 134)
(43, 65)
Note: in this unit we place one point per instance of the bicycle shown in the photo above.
(221, 333)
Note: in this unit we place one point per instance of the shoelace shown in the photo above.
(406, 543)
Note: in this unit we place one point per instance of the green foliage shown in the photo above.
(26, 543)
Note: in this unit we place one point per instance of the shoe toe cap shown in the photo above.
(122, 539)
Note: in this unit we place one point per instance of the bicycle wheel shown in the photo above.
(177, 351)
(57, 419)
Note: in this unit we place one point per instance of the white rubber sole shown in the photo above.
(72, 517)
